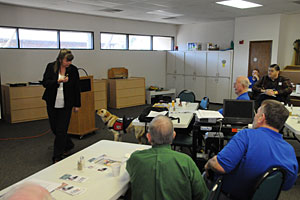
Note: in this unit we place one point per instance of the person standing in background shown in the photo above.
(254, 78)
(62, 93)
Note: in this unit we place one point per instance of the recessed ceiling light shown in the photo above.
(239, 4)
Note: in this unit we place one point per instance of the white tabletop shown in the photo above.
(185, 114)
(292, 122)
(99, 185)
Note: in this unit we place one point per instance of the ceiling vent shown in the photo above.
(111, 10)
(169, 18)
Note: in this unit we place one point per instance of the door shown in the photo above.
(189, 63)
(260, 56)
(212, 63)
(196, 84)
(179, 62)
(224, 63)
(171, 62)
(200, 63)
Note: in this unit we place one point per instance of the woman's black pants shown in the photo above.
(59, 119)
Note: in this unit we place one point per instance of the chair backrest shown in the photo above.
(269, 185)
(187, 95)
(214, 193)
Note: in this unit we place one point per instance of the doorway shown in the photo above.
(260, 56)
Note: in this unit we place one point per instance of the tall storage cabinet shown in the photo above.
(206, 73)
(175, 70)
(219, 70)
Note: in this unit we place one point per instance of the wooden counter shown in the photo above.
(126, 92)
(24, 103)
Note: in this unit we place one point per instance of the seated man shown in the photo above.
(272, 86)
(161, 173)
(241, 89)
(251, 152)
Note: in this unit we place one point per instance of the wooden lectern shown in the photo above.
(83, 121)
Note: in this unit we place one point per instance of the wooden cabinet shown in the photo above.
(22, 104)
(100, 93)
(126, 92)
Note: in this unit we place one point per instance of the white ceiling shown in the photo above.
(178, 11)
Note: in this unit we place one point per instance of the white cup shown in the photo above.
(177, 101)
(183, 103)
(116, 167)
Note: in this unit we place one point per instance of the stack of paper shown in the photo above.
(208, 114)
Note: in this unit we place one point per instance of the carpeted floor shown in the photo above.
(26, 148)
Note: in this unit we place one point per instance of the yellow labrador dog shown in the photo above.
(112, 123)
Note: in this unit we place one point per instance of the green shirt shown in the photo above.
(161, 173)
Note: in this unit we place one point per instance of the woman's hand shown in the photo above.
(76, 109)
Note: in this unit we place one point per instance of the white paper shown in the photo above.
(209, 114)
(154, 113)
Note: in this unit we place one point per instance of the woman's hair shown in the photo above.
(63, 53)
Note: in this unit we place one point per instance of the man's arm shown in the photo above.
(258, 86)
(214, 165)
(286, 88)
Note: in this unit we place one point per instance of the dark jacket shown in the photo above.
(71, 88)
(281, 84)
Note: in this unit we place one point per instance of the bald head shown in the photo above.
(241, 85)
(161, 130)
(28, 191)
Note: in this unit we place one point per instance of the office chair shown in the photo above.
(214, 193)
(268, 187)
(184, 137)
(187, 95)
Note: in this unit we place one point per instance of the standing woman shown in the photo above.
(61, 80)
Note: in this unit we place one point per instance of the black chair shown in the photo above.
(183, 140)
(184, 137)
(187, 95)
(215, 192)
(269, 185)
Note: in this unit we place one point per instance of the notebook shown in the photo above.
(238, 111)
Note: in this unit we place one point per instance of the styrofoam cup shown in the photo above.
(116, 167)
(183, 103)
(177, 101)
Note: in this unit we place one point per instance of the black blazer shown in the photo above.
(71, 88)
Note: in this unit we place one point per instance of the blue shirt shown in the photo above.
(243, 96)
(252, 82)
(249, 154)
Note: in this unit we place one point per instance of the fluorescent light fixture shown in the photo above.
(239, 4)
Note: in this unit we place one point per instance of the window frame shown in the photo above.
(127, 39)
(113, 33)
(58, 37)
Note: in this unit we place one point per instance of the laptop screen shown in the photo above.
(238, 111)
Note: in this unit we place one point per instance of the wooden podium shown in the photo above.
(83, 121)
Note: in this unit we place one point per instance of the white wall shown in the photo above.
(289, 32)
(257, 28)
(20, 65)
(220, 33)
